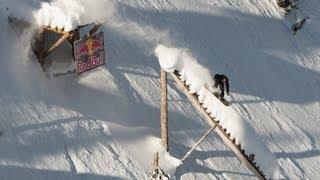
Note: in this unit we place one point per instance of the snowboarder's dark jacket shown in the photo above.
(222, 81)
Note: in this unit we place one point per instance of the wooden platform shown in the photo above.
(70, 36)
(41, 41)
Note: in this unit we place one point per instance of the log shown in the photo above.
(94, 29)
(194, 101)
(61, 40)
(164, 110)
(75, 37)
(156, 159)
(41, 48)
(197, 144)
(57, 30)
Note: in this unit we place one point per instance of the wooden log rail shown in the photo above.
(164, 110)
(247, 160)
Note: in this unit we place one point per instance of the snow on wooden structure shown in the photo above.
(196, 83)
(62, 19)
(246, 159)
(70, 36)
(41, 41)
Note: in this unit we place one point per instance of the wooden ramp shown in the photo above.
(247, 160)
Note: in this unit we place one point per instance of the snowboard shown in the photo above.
(225, 102)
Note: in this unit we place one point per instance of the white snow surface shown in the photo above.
(175, 59)
(61, 13)
(199, 80)
(99, 125)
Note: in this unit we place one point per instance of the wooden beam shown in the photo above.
(156, 159)
(75, 37)
(164, 110)
(61, 40)
(194, 101)
(94, 29)
(40, 46)
(57, 30)
(197, 144)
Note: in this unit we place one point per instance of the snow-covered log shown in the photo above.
(199, 81)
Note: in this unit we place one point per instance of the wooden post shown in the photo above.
(164, 110)
(156, 159)
(75, 37)
(41, 47)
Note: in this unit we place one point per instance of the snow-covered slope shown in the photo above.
(60, 13)
(104, 124)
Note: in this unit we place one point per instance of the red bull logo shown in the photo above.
(89, 53)
(90, 46)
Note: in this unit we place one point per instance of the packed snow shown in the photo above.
(63, 14)
(175, 59)
(104, 124)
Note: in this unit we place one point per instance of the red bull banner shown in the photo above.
(89, 53)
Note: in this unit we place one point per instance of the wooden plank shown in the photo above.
(61, 40)
(194, 101)
(41, 48)
(156, 159)
(197, 144)
(94, 29)
(164, 110)
(75, 37)
(57, 30)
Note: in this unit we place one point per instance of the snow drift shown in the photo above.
(199, 80)
(60, 13)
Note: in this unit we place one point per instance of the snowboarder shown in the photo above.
(221, 81)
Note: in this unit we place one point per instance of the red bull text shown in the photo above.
(89, 53)
(92, 63)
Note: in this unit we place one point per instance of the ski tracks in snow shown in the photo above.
(294, 138)
(105, 156)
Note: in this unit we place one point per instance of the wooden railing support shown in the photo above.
(61, 40)
(164, 110)
(197, 144)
